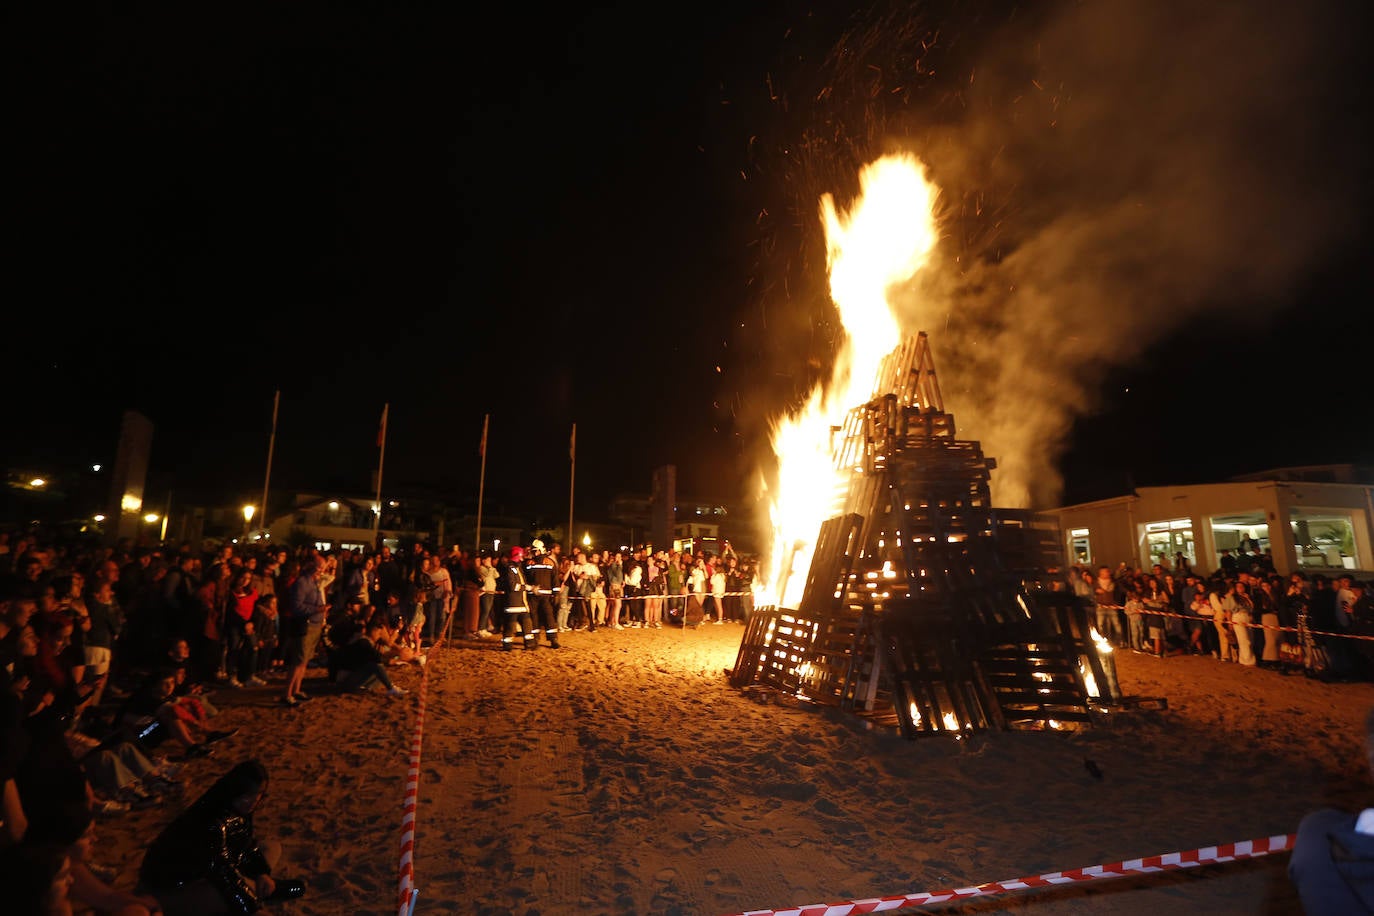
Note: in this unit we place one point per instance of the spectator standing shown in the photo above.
(390, 579)
(1156, 605)
(267, 628)
(1135, 619)
(675, 586)
(485, 569)
(567, 590)
(591, 586)
(716, 574)
(305, 621)
(212, 604)
(1221, 595)
(106, 625)
(240, 631)
(440, 598)
(695, 610)
(1106, 596)
(613, 572)
(1267, 613)
(1242, 615)
(634, 588)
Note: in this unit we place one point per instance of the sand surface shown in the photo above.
(623, 774)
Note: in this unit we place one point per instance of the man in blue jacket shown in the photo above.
(1333, 858)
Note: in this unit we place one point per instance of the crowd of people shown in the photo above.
(113, 661)
(1242, 612)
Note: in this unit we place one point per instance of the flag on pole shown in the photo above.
(572, 444)
(381, 430)
(482, 449)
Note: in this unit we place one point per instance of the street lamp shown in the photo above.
(248, 512)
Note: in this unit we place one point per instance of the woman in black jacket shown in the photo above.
(208, 860)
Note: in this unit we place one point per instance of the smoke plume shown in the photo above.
(1109, 170)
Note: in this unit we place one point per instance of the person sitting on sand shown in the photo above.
(209, 860)
(150, 715)
(358, 665)
(1332, 865)
(73, 829)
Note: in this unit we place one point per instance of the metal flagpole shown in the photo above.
(381, 459)
(481, 484)
(271, 445)
(572, 479)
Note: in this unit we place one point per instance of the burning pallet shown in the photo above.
(912, 614)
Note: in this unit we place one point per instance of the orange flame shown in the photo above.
(881, 242)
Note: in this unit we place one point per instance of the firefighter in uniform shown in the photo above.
(542, 573)
(517, 603)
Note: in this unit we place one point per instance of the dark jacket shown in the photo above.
(1332, 865)
(210, 841)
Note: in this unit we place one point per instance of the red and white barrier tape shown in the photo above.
(1230, 852)
(1253, 625)
(406, 890)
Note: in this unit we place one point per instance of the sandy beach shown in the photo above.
(623, 774)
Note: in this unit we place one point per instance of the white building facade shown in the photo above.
(1308, 525)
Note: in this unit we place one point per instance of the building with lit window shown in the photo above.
(1312, 519)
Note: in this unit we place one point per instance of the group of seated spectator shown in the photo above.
(1319, 624)
(114, 664)
(115, 661)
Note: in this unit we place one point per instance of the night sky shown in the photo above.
(1153, 252)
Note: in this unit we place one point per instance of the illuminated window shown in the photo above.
(1080, 546)
(1164, 540)
(1325, 538)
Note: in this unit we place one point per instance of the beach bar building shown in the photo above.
(1309, 519)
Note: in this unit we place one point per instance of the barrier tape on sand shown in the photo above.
(1230, 852)
(406, 891)
(1252, 625)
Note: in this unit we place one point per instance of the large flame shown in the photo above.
(879, 243)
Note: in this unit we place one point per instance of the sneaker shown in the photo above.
(287, 889)
(235, 682)
(616, 626)
(111, 806)
(302, 696)
(212, 737)
(485, 634)
(394, 691)
(422, 660)
(166, 768)
(290, 701)
(718, 622)
(104, 873)
(256, 681)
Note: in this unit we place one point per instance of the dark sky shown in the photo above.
(604, 218)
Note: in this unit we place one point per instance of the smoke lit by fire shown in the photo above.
(872, 248)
